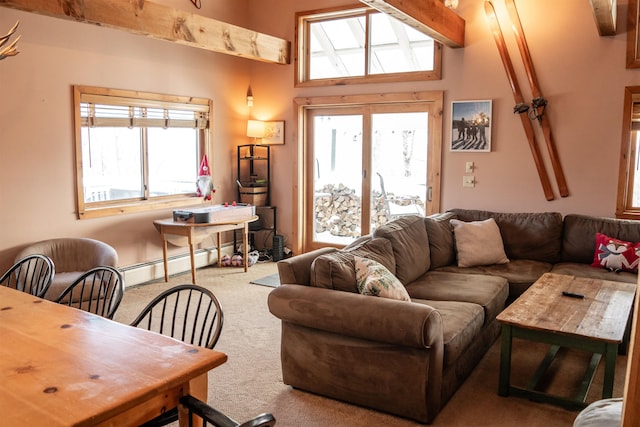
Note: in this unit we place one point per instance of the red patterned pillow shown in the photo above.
(616, 255)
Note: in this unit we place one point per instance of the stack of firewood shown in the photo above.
(338, 210)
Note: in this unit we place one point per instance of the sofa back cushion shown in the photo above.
(532, 236)
(336, 270)
(410, 243)
(441, 242)
(579, 239)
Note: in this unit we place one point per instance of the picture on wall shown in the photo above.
(471, 126)
(273, 133)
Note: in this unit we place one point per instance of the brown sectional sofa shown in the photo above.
(408, 358)
(537, 243)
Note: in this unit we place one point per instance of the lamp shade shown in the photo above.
(255, 129)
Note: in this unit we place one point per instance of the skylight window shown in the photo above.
(363, 45)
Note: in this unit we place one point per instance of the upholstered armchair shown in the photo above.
(71, 257)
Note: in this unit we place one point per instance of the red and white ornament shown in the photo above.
(204, 181)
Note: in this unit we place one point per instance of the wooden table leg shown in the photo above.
(505, 361)
(245, 246)
(192, 256)
(164, 258)
(219, 250)
(198, 388)
(611, 351)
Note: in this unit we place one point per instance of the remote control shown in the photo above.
(572, 295)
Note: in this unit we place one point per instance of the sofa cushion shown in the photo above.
(488, 292)
(534, 236)
(336, 270)
(372, 278)
(461, 325)
(408, 237)
(478, 243)
(585, 270)
(377, 249)
(579, 237)
(520, 273)
(616, 255)
(441, 243)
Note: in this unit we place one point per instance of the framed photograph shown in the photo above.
(273, 133)
(471, 126)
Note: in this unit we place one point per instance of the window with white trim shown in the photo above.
(137, 151)
(361, 45)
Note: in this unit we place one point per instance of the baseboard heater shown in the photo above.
(137, 274)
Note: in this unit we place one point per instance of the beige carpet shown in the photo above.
(251, 381)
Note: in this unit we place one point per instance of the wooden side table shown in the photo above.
(172, 231)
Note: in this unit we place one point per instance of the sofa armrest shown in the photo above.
(359, 316)
(297, 269)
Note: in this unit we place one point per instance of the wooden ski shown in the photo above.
(538, 103)
(520, 108)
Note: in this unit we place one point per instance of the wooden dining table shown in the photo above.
(60, 366)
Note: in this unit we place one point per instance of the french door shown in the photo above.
(366, 164)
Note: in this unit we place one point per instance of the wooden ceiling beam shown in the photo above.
(430, 17)
(165, 23)
(604, 12)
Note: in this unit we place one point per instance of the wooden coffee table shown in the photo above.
(596, 324)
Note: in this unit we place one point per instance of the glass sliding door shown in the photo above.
(337, 177)
(399, 165)
(365, 165)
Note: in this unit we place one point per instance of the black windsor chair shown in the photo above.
(32, 274)
(187, 312)
(98, 291)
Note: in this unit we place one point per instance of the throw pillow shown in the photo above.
(478, 243)
(374, 279)
(616, 255)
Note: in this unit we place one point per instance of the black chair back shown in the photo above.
(32, 274)
(98, 291)
(187, 312)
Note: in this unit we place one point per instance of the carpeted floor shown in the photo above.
(251, 380)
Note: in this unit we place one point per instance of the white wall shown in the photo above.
(37, 194)
(582, 75)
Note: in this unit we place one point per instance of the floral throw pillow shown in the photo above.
(374, 279)
(616, 255)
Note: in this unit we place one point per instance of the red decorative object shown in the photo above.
(616, 255)
(205, 183)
